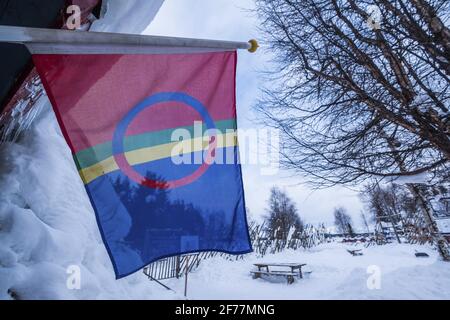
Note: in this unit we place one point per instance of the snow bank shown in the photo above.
(127, 16)
(46, 221)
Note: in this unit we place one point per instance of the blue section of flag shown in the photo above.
(140, 225)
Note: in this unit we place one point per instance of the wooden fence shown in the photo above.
(175, 267)
(262, 243)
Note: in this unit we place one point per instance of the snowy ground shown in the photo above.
(335, 275)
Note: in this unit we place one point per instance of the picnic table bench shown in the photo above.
(295, 270)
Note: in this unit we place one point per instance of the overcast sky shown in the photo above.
(230, 20)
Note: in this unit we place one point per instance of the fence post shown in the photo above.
(186, 275)
(177, 267)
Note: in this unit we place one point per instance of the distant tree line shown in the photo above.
(343, 222)
(282, 215)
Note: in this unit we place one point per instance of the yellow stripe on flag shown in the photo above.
(162, 151)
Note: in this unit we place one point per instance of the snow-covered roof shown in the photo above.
(443, 225)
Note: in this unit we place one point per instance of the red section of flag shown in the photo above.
(112, 84)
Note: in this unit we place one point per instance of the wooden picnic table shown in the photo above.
(295, 270)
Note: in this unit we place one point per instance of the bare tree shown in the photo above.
(386, 204)
(359, 98)
(283, 215)
(343, 221)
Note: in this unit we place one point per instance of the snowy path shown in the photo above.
(336, 275)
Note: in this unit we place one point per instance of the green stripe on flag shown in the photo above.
(88, 157)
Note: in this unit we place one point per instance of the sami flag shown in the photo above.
(154, 139)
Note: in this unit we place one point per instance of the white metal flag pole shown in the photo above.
(57, 41)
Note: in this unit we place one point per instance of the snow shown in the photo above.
(335, 275)
(127, 16)
(423, 177)
(46, 221)
(443, 224)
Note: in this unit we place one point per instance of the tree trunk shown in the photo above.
(441, 243)
(438, 239)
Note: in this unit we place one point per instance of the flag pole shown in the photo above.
(57, 41)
